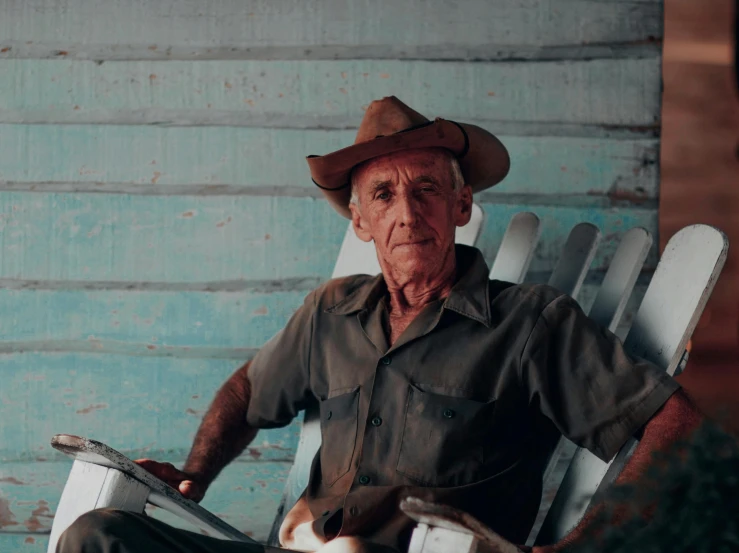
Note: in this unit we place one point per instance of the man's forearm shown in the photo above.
(677, 418)
(223, 433)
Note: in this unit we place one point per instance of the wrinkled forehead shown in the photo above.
(429, 162)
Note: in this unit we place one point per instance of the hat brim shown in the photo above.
(483, 159)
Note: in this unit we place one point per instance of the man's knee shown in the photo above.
(95, 531)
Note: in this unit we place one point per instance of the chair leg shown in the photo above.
(92, 486)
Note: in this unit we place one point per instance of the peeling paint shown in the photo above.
(91, 408)
(7, 518)
(254, 453)
(13, 480)
(33, 524)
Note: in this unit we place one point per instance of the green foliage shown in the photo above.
(692, 493)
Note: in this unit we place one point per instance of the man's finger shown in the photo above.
(191, 490)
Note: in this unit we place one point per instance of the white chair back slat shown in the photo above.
(671, 307)
(607, 310)
(617, 285)
(355, 257)
(574, 262)
(517, 248)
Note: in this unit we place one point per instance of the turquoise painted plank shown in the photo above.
(328, 93)
(23, 543)
(196, 239)
(143, 406)
(246, 495)
(167, 239)
(156, 323)
(137, 159)
(331, 28)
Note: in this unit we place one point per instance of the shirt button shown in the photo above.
(326, 513)
(376, 421)
(449, 414)
(329, 415)
(386, 360)
(353, 510)
(364, 480)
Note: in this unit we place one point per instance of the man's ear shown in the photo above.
(463, 211)
(360, 224)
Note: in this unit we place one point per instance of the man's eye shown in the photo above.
(383, 196)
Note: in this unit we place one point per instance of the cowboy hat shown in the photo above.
(390, 126)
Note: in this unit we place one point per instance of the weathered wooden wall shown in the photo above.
(157, 222)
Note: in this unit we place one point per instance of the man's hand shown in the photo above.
(180, 481)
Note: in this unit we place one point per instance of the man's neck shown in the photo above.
(410, 294)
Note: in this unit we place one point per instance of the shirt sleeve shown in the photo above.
(580, 377)
(279, 374)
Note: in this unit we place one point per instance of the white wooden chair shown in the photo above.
(102, 477)
(669, 311)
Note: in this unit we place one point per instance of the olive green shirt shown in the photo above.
(463, 409)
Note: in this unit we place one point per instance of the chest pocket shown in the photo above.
(338, 434)
(444, 438)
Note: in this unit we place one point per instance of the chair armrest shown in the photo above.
(458, 531)
(160, 494)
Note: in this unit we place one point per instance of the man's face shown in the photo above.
(408, 206)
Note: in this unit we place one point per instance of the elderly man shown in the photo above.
(433, 381)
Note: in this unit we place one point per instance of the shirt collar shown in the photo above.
(469, 296)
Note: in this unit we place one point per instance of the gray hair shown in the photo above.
(456, 173)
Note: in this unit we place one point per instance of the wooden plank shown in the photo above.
(207, 243)
(578, 252)
(24, 542)
(288, 29)
(144, 406)
(517, 248)
(621, 92)
(236, 160)
(245, 495)
(160, 323)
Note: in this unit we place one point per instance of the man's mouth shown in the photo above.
(415, 243)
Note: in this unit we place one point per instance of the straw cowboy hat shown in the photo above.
(390, 126)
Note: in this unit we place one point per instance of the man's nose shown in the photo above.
(408, 208)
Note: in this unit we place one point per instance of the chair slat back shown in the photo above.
(517, 248)
(617, 285)
(355, 257)
(574, 262)
(671, 307)
(607, 310)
